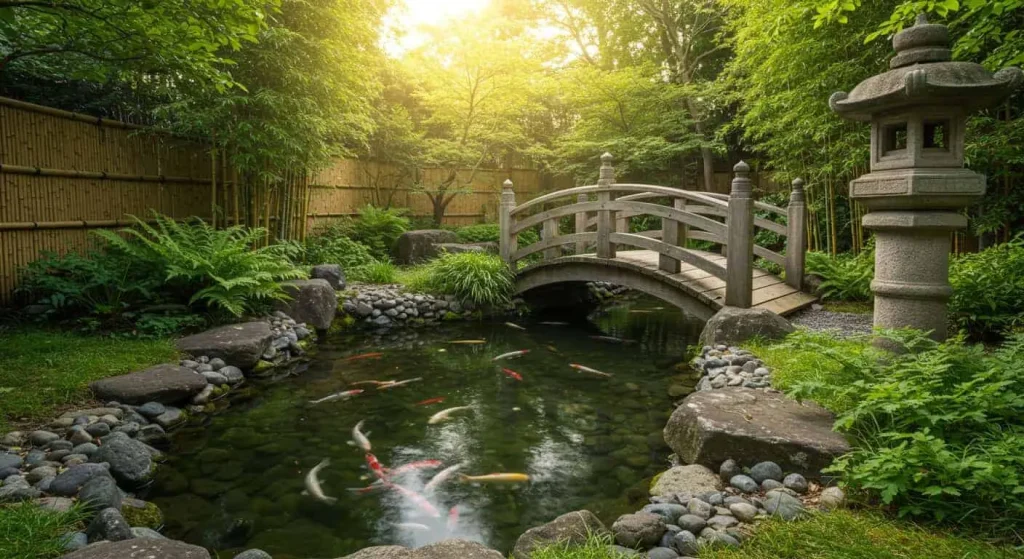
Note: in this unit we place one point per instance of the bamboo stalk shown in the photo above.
(213, 188)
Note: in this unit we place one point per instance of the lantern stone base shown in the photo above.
(911, 284)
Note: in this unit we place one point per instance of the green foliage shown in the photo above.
(377, 271)
(480, 278)
(988, 289)
(215, 268)
(333, 246)
(846, 534)
(937, 429)
(28, 531)
(378, 229)
(846, 277)
(489, 232)
(596, 547)
(42, 371)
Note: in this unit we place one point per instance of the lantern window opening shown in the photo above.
(937, 135)
(894, 139)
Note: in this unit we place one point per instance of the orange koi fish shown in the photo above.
(375, 355)
(453, 518)
(430, 401)
(496, 478)
(375, 467)
(513, 374)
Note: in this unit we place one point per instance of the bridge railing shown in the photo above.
(601, 223)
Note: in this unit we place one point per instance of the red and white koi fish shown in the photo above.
(453, 518)
(419, 464)
(375, 486)
(374, 355)
(441, 477)
(375, 467)
(513, 374)
(583, 369)
(514, 326)
(511, 354)
(337, 396)
(444, 415)
(430, 401)
(418, 500)
(359, 438)
(397, 383)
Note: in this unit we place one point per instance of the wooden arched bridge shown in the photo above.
(659, 262)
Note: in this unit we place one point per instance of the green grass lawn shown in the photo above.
(42, 371)
(30, 532)
(835, 535)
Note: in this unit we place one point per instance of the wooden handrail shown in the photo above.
(664, 212)
(646, 188)
(672, 251)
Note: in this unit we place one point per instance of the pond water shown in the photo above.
(584, 440)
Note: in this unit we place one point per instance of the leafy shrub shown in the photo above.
(377, 271)
(489, 232)
(845, 277)
(216, 268)
(330, 246)
(938, 430)
(480, 278)
(988, 289)
(378, 229)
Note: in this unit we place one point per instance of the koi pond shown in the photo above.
(585, 440)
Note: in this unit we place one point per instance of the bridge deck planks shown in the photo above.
(770, 292)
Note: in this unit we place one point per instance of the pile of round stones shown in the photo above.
(724, 366)
(602, 290)
(287, 335)
(390, 305)
(679, 525)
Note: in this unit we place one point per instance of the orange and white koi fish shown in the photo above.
(468, 342)
(337, 396)
(375, 355)
(611, 339)
(453, 518)
(313, 483)
(583, 369)
(398, 383)
(359, 438)
(375, 486)
(514, 326)
(418, 500)
(496, 478)
(513, 374)
(441, 477)
(511, 354)
(373, 382)
(419, 464)
(430, 401)
(413, 526)
(375, 467)
(445, 415)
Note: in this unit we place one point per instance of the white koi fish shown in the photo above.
(441, 477)
(313, 484)
(445, 415)
(413, 526)
(337, 396)
(359, 438)
(511, 354)
(398, 383)
(514, 326)
(583, 369)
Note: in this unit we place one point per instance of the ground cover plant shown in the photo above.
(28, 531)
(845, 277)
(377, 229)
(42, 371)
(988, 290)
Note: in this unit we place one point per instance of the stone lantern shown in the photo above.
(918, 184)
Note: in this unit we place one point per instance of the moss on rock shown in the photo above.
(148, 515)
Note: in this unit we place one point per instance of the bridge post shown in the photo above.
(796, 240)
(508, 241)
(605, 248)
(672, 233)
(581, 224)
(549, 231)
(739, 270)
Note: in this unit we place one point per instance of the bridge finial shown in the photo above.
(606, 177)
(507, 185)
(741, 185)
(741, 168)
(797, 195)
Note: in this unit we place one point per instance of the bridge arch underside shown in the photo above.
(628, 274)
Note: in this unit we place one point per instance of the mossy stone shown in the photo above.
(147, 516)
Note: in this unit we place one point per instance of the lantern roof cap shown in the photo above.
(923, 73)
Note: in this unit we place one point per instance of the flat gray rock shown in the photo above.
(332, 273)
(572, 527)
(312, 301)
(240, 345)
(167, 384)
(732, 326)
(641, 529)
(418, 246)
(145, 548)
(130, 461)
(381, 552)
(750, 426)
(692, 480)
(456, 549)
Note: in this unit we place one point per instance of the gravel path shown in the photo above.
(844, 324)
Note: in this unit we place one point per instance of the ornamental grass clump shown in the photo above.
(938, 430)
(375, 271)
(480, 278)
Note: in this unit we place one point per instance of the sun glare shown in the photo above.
(408, 17)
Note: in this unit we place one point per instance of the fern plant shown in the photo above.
(844, 277)
(219, 269)
(378, 229)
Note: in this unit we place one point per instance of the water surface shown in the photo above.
(586, 441)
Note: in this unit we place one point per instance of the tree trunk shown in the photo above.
(705, 152)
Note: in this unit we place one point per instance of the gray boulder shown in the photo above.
(71, 481)
(662, 553)
(240, 345)
(693, 480)
(732, 326)
(143, 532)
(832, 498)
(461, 549)
(10, 461)
(668, 511)
(109, 525)
(458, 248)
(381, 552)
(332, 274)
(130, 461)
(100, 492)
(16, 489)
(253, 554)
(414, 247)
(167, 383)
(763, 471)
(312, 301)
(750, 425)
(641, 529)
(572, 527)
(146, 548)
(783, 505)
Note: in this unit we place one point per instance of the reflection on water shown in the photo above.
(586, 441)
